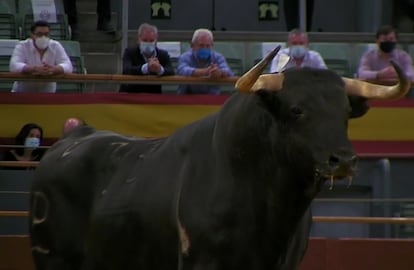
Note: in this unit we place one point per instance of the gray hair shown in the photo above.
(147, 27)
(296, 32)
(202, 32)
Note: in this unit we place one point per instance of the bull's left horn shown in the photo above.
(375, 91)
(247, 80)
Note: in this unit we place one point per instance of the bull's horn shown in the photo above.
(245, 82)
(375, 91)
(271, 82)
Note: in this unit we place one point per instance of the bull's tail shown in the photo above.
(184, 240)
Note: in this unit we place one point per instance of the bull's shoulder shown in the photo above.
(95, 143)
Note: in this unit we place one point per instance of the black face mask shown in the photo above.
(387, 46)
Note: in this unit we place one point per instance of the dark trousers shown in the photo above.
(291, 9)
(103, 9)
(71, 11)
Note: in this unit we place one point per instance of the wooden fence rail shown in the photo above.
(330, 219)
(132, 79)
(117, 78)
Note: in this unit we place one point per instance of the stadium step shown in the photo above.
(88, 20)
(101, 51)
(86, 5)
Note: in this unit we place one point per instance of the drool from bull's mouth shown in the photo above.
(332, 176)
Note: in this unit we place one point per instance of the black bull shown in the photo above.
(225, 192)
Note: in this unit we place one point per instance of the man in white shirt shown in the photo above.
(298, 54)
(39, 55)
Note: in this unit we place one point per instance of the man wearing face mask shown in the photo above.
(375, 63)
(202, 61)
(298, 54)
(39, 55)
(146, 59)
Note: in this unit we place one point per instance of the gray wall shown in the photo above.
(236, 15)
(375, 179)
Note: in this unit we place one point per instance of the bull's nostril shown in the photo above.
(333, 161)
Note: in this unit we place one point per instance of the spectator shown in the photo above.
(39, 55)
(29, 137)
(103, 9)
(299, 53)
(72, 123)
(375, 63)
(202, 61)
(146, 59)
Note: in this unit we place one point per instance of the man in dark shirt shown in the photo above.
(146, 59)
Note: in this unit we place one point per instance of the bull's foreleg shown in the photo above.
(298, 244)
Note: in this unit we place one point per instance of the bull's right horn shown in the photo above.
(246, 81)
(375, 91)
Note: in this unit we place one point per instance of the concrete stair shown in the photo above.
(101, 51)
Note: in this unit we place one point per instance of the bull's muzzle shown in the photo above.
(341, 166)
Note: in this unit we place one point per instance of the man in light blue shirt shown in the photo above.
(300, 55)
(202, 61)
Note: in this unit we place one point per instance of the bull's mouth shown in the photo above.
(334, 173)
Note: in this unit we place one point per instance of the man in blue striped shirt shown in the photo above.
(202, 61)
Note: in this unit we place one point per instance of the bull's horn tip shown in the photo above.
(275, 50)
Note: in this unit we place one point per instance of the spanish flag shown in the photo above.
(387, 129)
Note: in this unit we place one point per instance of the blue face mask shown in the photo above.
(147, 48)
(298, 51)
(31, 143)
(203, 53)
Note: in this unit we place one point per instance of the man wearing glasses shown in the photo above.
(39, 55)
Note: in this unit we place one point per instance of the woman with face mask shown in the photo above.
(27, 141)
(375, 63)
(39, 55)
(297, 54)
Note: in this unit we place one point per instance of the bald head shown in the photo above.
(71, 124)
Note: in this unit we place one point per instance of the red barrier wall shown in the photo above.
(359, 254)
(323, 254)
(15, 253)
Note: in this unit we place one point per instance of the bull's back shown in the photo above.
(111, 190)
(69, 185)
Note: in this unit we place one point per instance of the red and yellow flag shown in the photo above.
(388, 128)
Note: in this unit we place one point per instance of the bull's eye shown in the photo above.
(296, 112)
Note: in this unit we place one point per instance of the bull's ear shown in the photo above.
(359, 106)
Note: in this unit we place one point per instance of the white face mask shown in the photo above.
(42, 42)
(32, 143)
(147, 48)
(298, 51)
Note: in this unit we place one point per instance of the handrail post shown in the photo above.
(124, 42)
(385, 166)
(302, 15)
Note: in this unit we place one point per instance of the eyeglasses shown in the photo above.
(41, 34)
